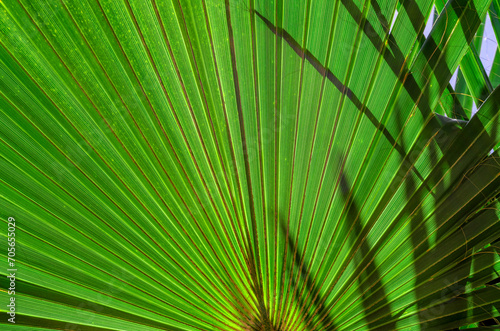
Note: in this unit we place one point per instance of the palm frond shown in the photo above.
(249, 165)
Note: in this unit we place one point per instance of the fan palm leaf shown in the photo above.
(249, 165)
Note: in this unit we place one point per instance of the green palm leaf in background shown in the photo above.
(249, 164)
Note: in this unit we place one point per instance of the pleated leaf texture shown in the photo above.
(249, 165)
